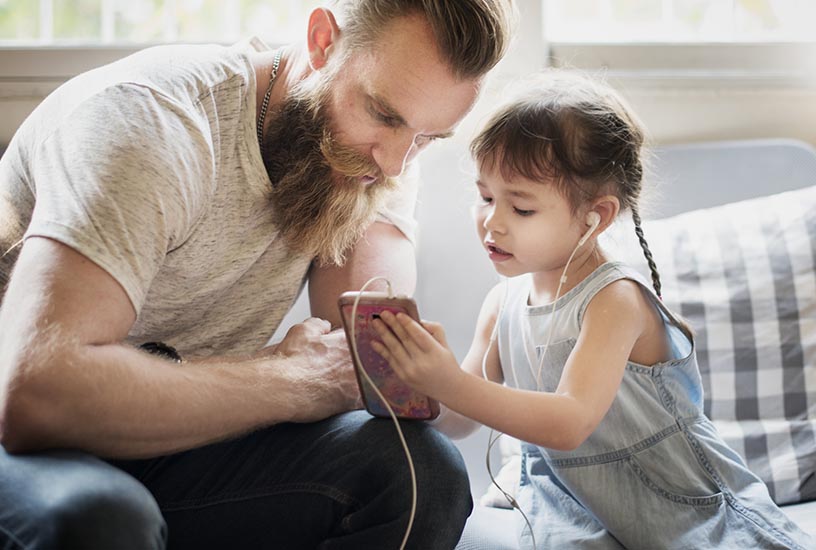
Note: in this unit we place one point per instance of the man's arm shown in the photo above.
(383, 250)
(67, 381)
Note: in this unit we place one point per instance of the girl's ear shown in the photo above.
(323, 34)
(607, 207)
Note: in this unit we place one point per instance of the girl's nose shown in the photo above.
(492, 220)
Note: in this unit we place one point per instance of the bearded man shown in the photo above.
(175, 202)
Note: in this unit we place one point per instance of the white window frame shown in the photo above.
(695, 65)
(33, 72)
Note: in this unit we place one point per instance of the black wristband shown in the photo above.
(162, 350)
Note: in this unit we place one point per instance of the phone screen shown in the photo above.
(405, 401)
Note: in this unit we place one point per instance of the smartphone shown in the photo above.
(405, 401)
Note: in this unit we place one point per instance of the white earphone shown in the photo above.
(593, 220)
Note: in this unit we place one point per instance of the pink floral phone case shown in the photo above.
(405, 401)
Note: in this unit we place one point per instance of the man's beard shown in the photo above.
(321, 204)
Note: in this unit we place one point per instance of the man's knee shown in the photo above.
(104, 517)
(441, 474)
(80, 504)
(443, 489)
(442, 467)
(436, 455)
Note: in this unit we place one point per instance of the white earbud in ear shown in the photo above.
(593, 220)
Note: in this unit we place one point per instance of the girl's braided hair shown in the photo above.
(579, 134)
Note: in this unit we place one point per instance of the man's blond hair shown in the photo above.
(472, 35)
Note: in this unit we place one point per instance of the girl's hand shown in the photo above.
(419, 354)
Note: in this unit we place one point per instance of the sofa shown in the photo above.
(732, 226)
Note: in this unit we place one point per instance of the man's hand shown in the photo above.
(67, 381)
(322, 368)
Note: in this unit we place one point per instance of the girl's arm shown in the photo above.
(614, 321)
(481, 349)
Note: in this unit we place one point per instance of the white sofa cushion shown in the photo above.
(743, 275)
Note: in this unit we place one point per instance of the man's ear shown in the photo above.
(322, 37)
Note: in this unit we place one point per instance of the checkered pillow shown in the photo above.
(743, 275)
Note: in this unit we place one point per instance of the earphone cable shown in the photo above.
(536, 375)
(553, 318)
(491, 439)
(15, 245)
(370, 382)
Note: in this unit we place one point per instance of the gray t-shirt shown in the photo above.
(150, 167)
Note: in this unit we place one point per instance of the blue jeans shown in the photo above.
(339, 483)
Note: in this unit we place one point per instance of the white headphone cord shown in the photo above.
(491, 439)
(15, 245)
(553, 318)
(536, 376)
(508, 497)
(537, 379)
(387, 405)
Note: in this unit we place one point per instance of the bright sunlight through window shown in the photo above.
(47, 22)
(680, 20)
(150, 21)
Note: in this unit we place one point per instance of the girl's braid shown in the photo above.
(646, 252)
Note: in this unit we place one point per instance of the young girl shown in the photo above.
(599, 378)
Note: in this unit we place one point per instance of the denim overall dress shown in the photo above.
(655, 473)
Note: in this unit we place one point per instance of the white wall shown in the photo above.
(678, 115)
(12, 114)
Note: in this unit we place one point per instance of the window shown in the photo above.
(738, 43)
(47, 22)
(745, 44)
(679, 20)
(151, 21)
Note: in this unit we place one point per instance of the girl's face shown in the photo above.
(525, 226)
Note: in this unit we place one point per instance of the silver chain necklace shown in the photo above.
(265, 103)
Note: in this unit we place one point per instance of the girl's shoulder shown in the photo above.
(624, 295)
(618, 288)
(628, 311)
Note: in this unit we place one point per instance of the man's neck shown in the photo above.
(293, 67)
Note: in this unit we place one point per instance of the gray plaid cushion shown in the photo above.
(743, 275)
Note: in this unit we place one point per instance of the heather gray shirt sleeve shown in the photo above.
(122, 180)
(150, 168)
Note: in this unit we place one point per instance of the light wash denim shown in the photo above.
(654, 474)
(342, 483)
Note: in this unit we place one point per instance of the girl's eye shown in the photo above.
(485, 200)
(521, 212)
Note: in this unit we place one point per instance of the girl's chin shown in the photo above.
(506, 269)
